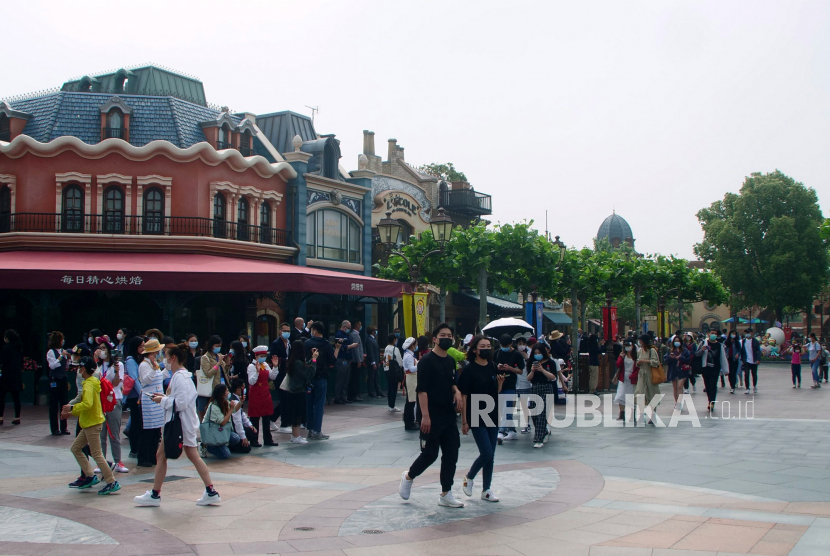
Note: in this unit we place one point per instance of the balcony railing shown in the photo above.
(6, 136)
(142, 225)
(114, 132)
(221, 146)
(246, 151)
(466, 201)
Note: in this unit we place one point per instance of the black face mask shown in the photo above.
(485, 353)
(445, 343)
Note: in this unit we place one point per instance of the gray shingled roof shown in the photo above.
(615, 226)
(281, 127)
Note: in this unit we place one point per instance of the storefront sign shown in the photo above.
(400, 205)
(420, 314)
(101, 280)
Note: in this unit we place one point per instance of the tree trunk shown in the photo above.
(442, 305)
(779, 314)
(583, 309)
(574, 344)
(482, 298)
(639, 328)
(809, 313)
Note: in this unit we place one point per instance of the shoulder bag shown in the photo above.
(204, 384)
(658, 374)
(213, 434)
(173, 438)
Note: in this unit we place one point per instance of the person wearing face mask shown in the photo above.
(481, 379)
(627, 371)
(163, 363)
(260, 405)
(750, 356)
(372, 363)
(153, 333)
(358, 355)
(343, 363)
(152, 415)
(113, 370)
(411, 417)
(210, 374)
(678, 359)
(732, 345)
(220, 411)
(57, 361)
(133, 402)
(523, 386)
(542, 375)
(400, 339)
(300, 331)
(713, 364)
(193, 354)
(509, 364)
(281, 349)
(122, 337)
(90, 338)
(244, 339)
(315, 398)
(647, 358)
(796, 351)
(694, 362)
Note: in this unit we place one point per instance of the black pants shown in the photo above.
(751, 368)
(825, 370)
(692, 378)
(710, 379)
(266, 431)
(15, 399)
(136, 425)
(354, 382)
(373, 381)
(733, 373)
(391, 389)
(444, 435)
(58, 397)
(148, 445)
(238, 448)
(796, 372)
(411, 414)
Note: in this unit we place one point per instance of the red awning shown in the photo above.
(41, 270)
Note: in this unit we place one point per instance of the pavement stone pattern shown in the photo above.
(732, 486)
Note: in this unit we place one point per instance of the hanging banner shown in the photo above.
(610, 326)
(533, 316)
(420, 314)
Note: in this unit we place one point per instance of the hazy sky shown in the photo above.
(653, 108)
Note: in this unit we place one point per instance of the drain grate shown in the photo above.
(166, 479)
(304, 528)
(372, 532)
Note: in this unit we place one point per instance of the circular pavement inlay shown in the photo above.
(18, 525)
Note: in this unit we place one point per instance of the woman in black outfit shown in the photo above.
(11, 365)
(239, 362)
(58, 383)
(732, 345)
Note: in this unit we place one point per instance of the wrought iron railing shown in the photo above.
(246, 151)
(6, 136)
(114, 132)
(221, 146)
(142, 225)
(466, 200)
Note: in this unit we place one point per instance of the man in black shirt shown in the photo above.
(315, 400)
(438, 397)
(299, 331)
(509, 363)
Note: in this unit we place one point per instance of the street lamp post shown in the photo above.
(441, 226)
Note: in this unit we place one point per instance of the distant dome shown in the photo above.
(616, 230)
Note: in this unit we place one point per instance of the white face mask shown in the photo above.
(119, 336)
(627, 348)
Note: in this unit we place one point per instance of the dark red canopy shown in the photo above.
(41, 270)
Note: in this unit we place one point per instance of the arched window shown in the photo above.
(5, 128)
(115, 125)
(224, 138)
(246, 144)
(265, 235)
(114, 210)
(154, 212)
(219, 216)
(243, 232)
(73, 209)
(330, 161)
(5, 208)
(333, 235)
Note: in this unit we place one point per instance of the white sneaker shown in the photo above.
(298, 440)
(147, 499)
(448, 500)
(274, 427)
(538, 445)
(747, 391)
(96, 470)
(207, 499)
(694, 388)
(467, 487)
(546, 438)
(393, 410)
(119, 468)
(732, 391)
(488, 496)
(511, 436)
(284, 430)
(499, 438)
(405, 488)
(686, 391)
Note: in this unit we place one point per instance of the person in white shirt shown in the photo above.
(113, 370)
(392, 353)
(182, 396)
(411, 412)
(241, 423)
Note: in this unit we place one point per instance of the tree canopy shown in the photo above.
(443, 171)
(766, 242)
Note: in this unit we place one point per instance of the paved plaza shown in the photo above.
(731, 486)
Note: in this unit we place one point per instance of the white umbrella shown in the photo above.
(507, 325)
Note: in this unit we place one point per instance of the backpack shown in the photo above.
(395, 370)
(107, 396)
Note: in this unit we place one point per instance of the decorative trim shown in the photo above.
(23, 144)
(386, 183)
(5, 108)
(221, 120)
(10, 181)
(354, 204)
(115, 102)
(339, 265)
(325, 184)
(339, 208)
(114, 178)
(162, 182)
(255, 197)
(154, 180)
(246, 125)
(313, 196)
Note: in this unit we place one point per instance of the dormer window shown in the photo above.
(115, 125)
(5, 128)
(246, 144)
(224, 138)
(115, 119)
(85, 86)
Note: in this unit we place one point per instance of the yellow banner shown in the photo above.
(421, 309)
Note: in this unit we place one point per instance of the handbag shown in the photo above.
(213, 434)
(204, 384)
(658, 374)
(173, 438)
(128, 383)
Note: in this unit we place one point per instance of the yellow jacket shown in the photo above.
(88, 411)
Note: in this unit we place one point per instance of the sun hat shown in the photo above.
(555, 335)
(152, 346)
(408, 342)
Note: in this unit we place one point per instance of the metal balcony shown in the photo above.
(466, 201)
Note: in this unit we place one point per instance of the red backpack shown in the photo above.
(107, 396)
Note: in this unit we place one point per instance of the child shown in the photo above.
(90, 419)
(795, 364)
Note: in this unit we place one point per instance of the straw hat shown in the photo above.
(152, 346)
(555, 335)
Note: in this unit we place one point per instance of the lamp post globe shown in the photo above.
(389, 230)
(441, 226)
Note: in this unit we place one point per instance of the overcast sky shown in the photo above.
(654, 109)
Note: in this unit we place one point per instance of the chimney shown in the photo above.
(393, 147)
(368, 142)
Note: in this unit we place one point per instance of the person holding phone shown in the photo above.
(181, 397)
(241, 423)
(260, 405)
(211, 372)
(298, 373)
(152, 416)
(542, 376)
(56, 360)
(509, 364)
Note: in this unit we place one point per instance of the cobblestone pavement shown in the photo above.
(757, 484)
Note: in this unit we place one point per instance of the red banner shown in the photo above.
(788, 334)
(610, 326)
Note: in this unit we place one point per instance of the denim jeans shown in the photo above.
(814, 365)
(314, 404)
(485, 438)
(341, 379)
(507, 404)
(224, 452)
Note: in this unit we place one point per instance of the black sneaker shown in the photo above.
(90, 482)
(110, 488)
(77, 482)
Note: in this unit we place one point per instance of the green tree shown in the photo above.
(766, 242)
(473, 248)
(443, 171)
(524, 260)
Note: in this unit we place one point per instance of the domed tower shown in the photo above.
(616, 230)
